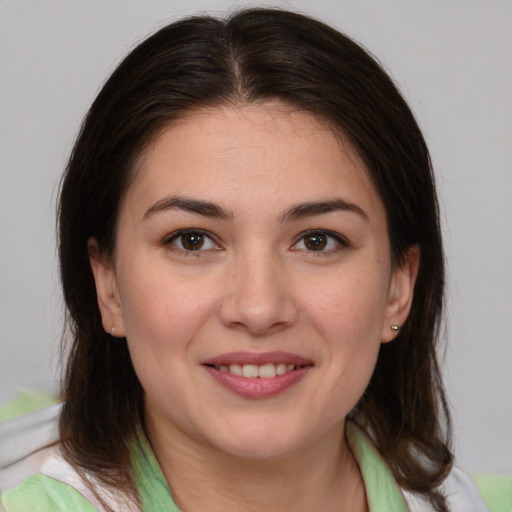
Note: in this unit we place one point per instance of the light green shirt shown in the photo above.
(42, 493)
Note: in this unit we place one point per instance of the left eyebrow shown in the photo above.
(302, 210)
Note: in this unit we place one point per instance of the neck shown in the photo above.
(322, 476)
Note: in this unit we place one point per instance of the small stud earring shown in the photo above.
(112, 331)
(395, 328)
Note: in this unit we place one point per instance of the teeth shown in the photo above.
(235, 369)
(267, 371)
(251, 371)
(280, 369)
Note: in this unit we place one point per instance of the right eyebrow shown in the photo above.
(310, 209)
(198, 206)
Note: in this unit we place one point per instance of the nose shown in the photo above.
(259, 297)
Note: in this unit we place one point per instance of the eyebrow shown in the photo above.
(198, 206)
(209, 209)
(302, 210)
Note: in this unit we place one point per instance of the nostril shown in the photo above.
(257, 299)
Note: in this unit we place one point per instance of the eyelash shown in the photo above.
(340, 241)
(173, 237)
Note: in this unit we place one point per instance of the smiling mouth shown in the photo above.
(258, 375)
(253, 371)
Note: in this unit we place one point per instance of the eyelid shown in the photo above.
(342, 241)
(171, 237)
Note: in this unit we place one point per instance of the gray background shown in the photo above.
(453, 62)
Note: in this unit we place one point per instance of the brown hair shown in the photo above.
(253, 56)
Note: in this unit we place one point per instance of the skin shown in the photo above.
(256, 286)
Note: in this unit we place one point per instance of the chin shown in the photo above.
(260, 451)
(261, 442)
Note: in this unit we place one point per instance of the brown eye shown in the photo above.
(315, 242)
(324, 242)
(192, 241)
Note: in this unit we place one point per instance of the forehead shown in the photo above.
(263, 152)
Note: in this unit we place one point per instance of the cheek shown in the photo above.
(163, 311)
(163, 314)
(349, 309)
(348, 313)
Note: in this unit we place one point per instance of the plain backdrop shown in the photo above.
(453, 62)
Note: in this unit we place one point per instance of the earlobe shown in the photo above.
(401, 293)
(106, 290)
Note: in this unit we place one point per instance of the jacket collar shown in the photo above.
(382, 491)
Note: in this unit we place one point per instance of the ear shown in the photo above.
(401, 292)
(106, 290)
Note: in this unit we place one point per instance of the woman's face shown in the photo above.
(252, 242)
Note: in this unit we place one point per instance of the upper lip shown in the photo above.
(257, 359)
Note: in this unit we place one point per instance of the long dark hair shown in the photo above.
(252, 57)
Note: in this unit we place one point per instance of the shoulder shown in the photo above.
(480, 493)
(462, 492)
(496, 490)
(40, 479)
(58, 487)
(40, 493)
(483, 493)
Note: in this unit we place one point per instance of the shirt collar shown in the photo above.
(382, 491)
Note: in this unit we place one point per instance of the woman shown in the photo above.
(252, 264)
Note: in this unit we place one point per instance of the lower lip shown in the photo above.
(258, 387)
